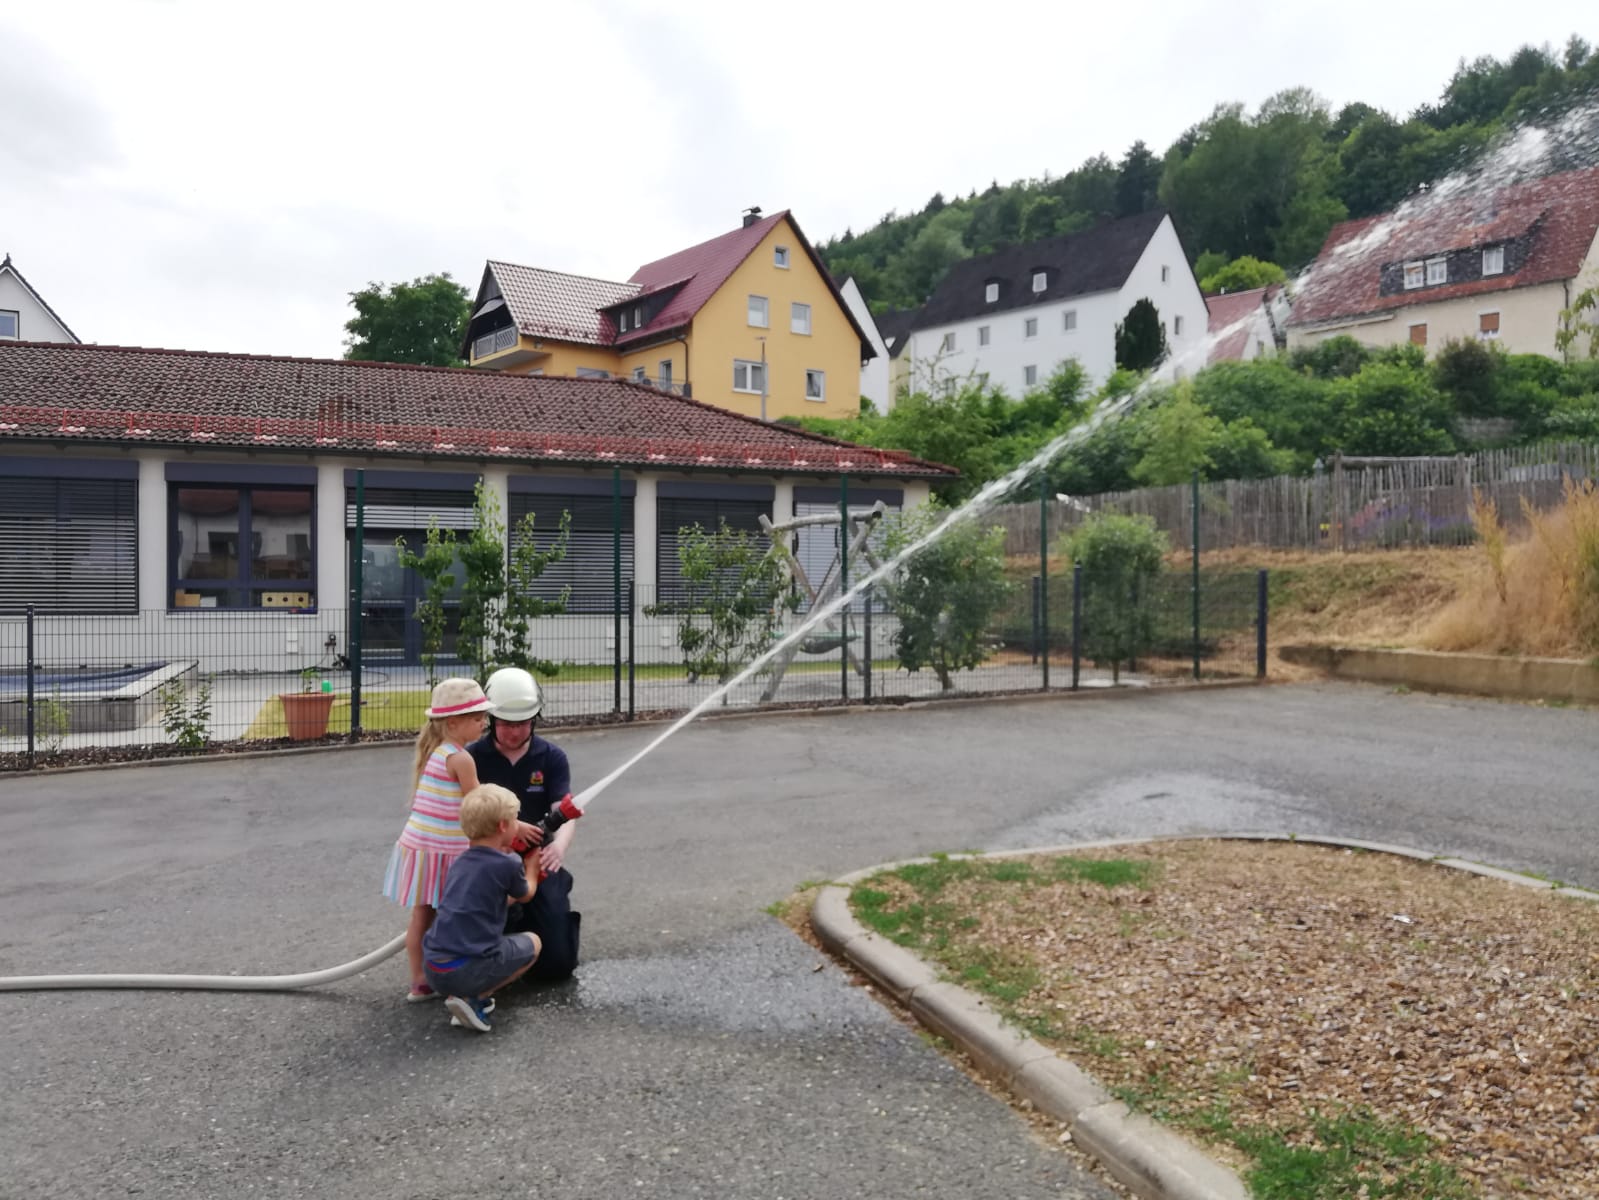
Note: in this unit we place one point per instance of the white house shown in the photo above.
(1014, 316)
(24, 316)
(874, 370)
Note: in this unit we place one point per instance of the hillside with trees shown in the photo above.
(1265, 186)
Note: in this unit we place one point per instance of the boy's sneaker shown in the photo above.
(419, 994)
(470, 1013)
(486, 1006)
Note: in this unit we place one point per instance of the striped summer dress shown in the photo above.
(432, 837)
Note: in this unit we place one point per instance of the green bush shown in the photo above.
(1120, 557)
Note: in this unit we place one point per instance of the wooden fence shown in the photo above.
(1355, 503)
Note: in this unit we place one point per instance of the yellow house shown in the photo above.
(749, 321)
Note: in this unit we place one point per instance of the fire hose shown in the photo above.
(559, 814)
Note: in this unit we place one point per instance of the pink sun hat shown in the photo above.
(457, 698)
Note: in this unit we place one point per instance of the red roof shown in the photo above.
(705, 267)
(131, 396)
(1549, 222)
(554, 304)
(1230, 313)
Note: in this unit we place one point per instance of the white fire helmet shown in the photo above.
(513, 695)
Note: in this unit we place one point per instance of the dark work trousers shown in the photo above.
(549, 914)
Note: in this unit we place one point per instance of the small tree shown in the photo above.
(1120, 557)
(436, 566)
(1140, 340)
(522, 606)
(729, 611)
(946, 594)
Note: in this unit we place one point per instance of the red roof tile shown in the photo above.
(554, 304)
(132, 396)
(1556, 217)
(705, 267)
(1230, 311)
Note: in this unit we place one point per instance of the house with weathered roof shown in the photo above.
(24, 315)
(1014, 316)
(1246, 324)
(1497, 263)
(212, 497)
(749, 321)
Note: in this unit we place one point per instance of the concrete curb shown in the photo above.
(1147, 1157)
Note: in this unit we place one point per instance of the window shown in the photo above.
(586, 569)
(990, 292)
(1165, 274)
(982, 335)
(592, 373)
(622, 321)
(799, 318)
(10, 324)
(1437, 271)
(1030, 327)
(1177, 326)
(664, 378)
(1414, 276)
(677, 512)
(948, 344)
(816, 385)
(242, 547)
(69, 545)
(1493, 260)
(1418, 335)
(638, 316)
(1040, 280)
(640, 375)
(1068, 320)
(748, 376)
(780, 257)
(1488, 325)
(1030, 376)
(758, 312)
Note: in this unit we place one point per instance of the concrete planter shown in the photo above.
(306, 714)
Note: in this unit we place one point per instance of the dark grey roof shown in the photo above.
(894, 327)
(1096, 260)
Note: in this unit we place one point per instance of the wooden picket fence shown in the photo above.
(1354, 503)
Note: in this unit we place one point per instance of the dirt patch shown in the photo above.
(1248, 987)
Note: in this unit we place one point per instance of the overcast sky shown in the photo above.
(180, 174)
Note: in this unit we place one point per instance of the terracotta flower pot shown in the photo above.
(306, 714)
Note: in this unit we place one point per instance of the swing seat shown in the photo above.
(826, 645)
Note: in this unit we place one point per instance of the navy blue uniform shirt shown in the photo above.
(538, 779)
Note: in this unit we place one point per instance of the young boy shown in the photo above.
(467, 956)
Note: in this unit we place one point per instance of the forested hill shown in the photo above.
(1268, 185)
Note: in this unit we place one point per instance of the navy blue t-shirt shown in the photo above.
(471, 918)
(538, 779)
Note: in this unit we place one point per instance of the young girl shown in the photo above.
(432, 837)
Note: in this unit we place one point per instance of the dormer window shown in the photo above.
(638, 317)
(623, 321)
(1437, 271)
(1040, 280)
(1415, 275)
(990, 292)
(1493, 260)
(780, 257)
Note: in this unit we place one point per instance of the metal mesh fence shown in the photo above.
(86, 686)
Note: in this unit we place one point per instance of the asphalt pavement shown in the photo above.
(702, 1050)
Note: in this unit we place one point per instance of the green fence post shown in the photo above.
(1077, 624)
(616, 587)
(1043, 576)
(632, 641)
(31, 666)
(866, 642)
(353, 637)
(843, 584)
(1194, 504)
(1260, 625)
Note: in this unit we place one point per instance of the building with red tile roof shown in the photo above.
(1245, 323)
(1499, 263)
(749, 321)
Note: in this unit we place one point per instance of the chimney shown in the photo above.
(752, 215)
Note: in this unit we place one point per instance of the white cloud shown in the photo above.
(210, 176)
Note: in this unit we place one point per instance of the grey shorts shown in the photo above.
(477, 975)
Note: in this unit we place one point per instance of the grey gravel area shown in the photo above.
(699, 1051)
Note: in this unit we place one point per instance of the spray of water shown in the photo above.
(1522, 153)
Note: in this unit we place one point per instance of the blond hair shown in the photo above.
(429, 740)
(484, 807)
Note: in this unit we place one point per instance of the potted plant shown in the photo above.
(306, 711)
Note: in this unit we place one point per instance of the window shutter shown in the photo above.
(674, 513)
(411, 508)
(69, 545)
(587, 567)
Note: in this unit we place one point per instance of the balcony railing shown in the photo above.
(493, 343)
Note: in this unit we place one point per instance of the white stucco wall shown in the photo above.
(874, 372)
(1092, 342)
(35, 324)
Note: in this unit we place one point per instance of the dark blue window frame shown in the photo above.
(244, 582)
